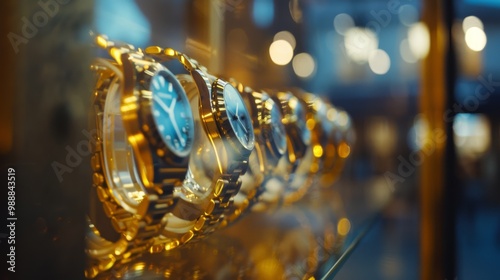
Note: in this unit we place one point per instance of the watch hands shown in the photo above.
(174, 123)
(164, 95)
(178, 132)
(236, 117)
(172, 105)
(239, 120)
(169, 111)
(162, 104)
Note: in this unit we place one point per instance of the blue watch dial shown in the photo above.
(172, 113)
(238, 116)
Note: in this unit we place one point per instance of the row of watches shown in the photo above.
(180, 156)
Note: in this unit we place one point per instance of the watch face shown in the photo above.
(238, 116)
(278, 133)
(172, 113)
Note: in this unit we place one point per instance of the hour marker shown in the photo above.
(161, 127)
(156, 113)
(170, 87)
(162, 81)
(164, 95)
(156, 85)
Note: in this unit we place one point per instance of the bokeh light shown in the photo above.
(472, 134)
(344, 150)
(281, 52)
(343, 226)
(406, 53)
(379, 62)
(303, 65)
(472, 21)
(287, 36)
(342, 23)
(318, 151)
(295, 11)
(418, 134)
(359, 43)
(475, 39)
(408, 15)
(419, 39)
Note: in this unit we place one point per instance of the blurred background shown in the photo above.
(420, 80)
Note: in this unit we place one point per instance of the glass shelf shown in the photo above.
(307, 240)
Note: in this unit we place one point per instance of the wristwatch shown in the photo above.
(261, 188)
(294, 114)
(144, 138)
(311, 165)
(341, 138)
(227, 126)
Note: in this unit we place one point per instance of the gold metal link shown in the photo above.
(98, 179)
(102, 194)
(200, 223)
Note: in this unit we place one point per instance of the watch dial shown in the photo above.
(238, 116)
(301, 122)
(278, 133)
(172, 113)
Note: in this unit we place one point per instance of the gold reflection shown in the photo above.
(472, 135)
(287, 244)
(139, 266)
(343, 226)
(311, 123)
(269, 268)
(344, 150)
(332, 114)
(318, 151)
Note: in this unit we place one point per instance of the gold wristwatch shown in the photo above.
(308, 171)
(341, 138)
(298, 140)
(144, 137)
(228, 128)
